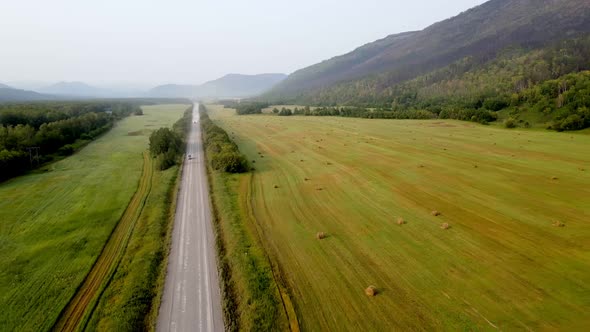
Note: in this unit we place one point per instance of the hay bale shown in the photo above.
(445, 226)
(321, 235)
(558, 223)
(307, 179)
(435, 213)
(555, 178)
(400, 221)
(371, 291)
(276, 186)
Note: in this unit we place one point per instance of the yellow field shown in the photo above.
(502, 264)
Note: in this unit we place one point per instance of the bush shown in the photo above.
(285, 112)
(510, 123)
(66, 150)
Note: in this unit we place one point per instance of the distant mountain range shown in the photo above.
(232, 85)
(76, 89)
(229, 86)
(482, 33)
(8, 93)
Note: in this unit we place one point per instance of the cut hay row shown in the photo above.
(75, 315)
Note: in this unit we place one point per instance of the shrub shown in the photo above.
(285, 112)
(510, 123)
(66, 150)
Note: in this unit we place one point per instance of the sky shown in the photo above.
(149, 42)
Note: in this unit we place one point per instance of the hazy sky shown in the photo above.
(153, 42)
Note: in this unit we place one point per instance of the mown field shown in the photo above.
(53, 223)
(502, 264)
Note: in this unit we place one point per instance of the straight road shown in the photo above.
(192, 299)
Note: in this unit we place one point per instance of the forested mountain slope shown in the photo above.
(481, 33)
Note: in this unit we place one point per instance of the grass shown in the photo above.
(55, 222)
(131, 301)
(76, 313)
(251, 296)
(501, 265)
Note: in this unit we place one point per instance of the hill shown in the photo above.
(482, 33)
(232, 85)
(76, 89)
(8, 94)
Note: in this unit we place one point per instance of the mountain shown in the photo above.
(173, 91)
(76, 89)
(482, 33)
(9, 94)
(232, 85)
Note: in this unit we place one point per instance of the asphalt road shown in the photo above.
(192, 300)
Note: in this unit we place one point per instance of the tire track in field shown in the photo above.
(77, 312)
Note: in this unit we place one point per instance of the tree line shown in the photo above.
(223, 154)
(53, 129)
(168, 145)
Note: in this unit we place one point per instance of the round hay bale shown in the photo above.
(435, 213)
(558, 223)
(554, 178)
(400, 221)
(276, 186)
(445, 226)
(320, 235)
(371, 291)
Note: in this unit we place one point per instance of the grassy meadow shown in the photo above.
(125, 304)
(54, 222)
(502, 264)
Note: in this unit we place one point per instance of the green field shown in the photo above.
(54, 223)
(502, 264)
